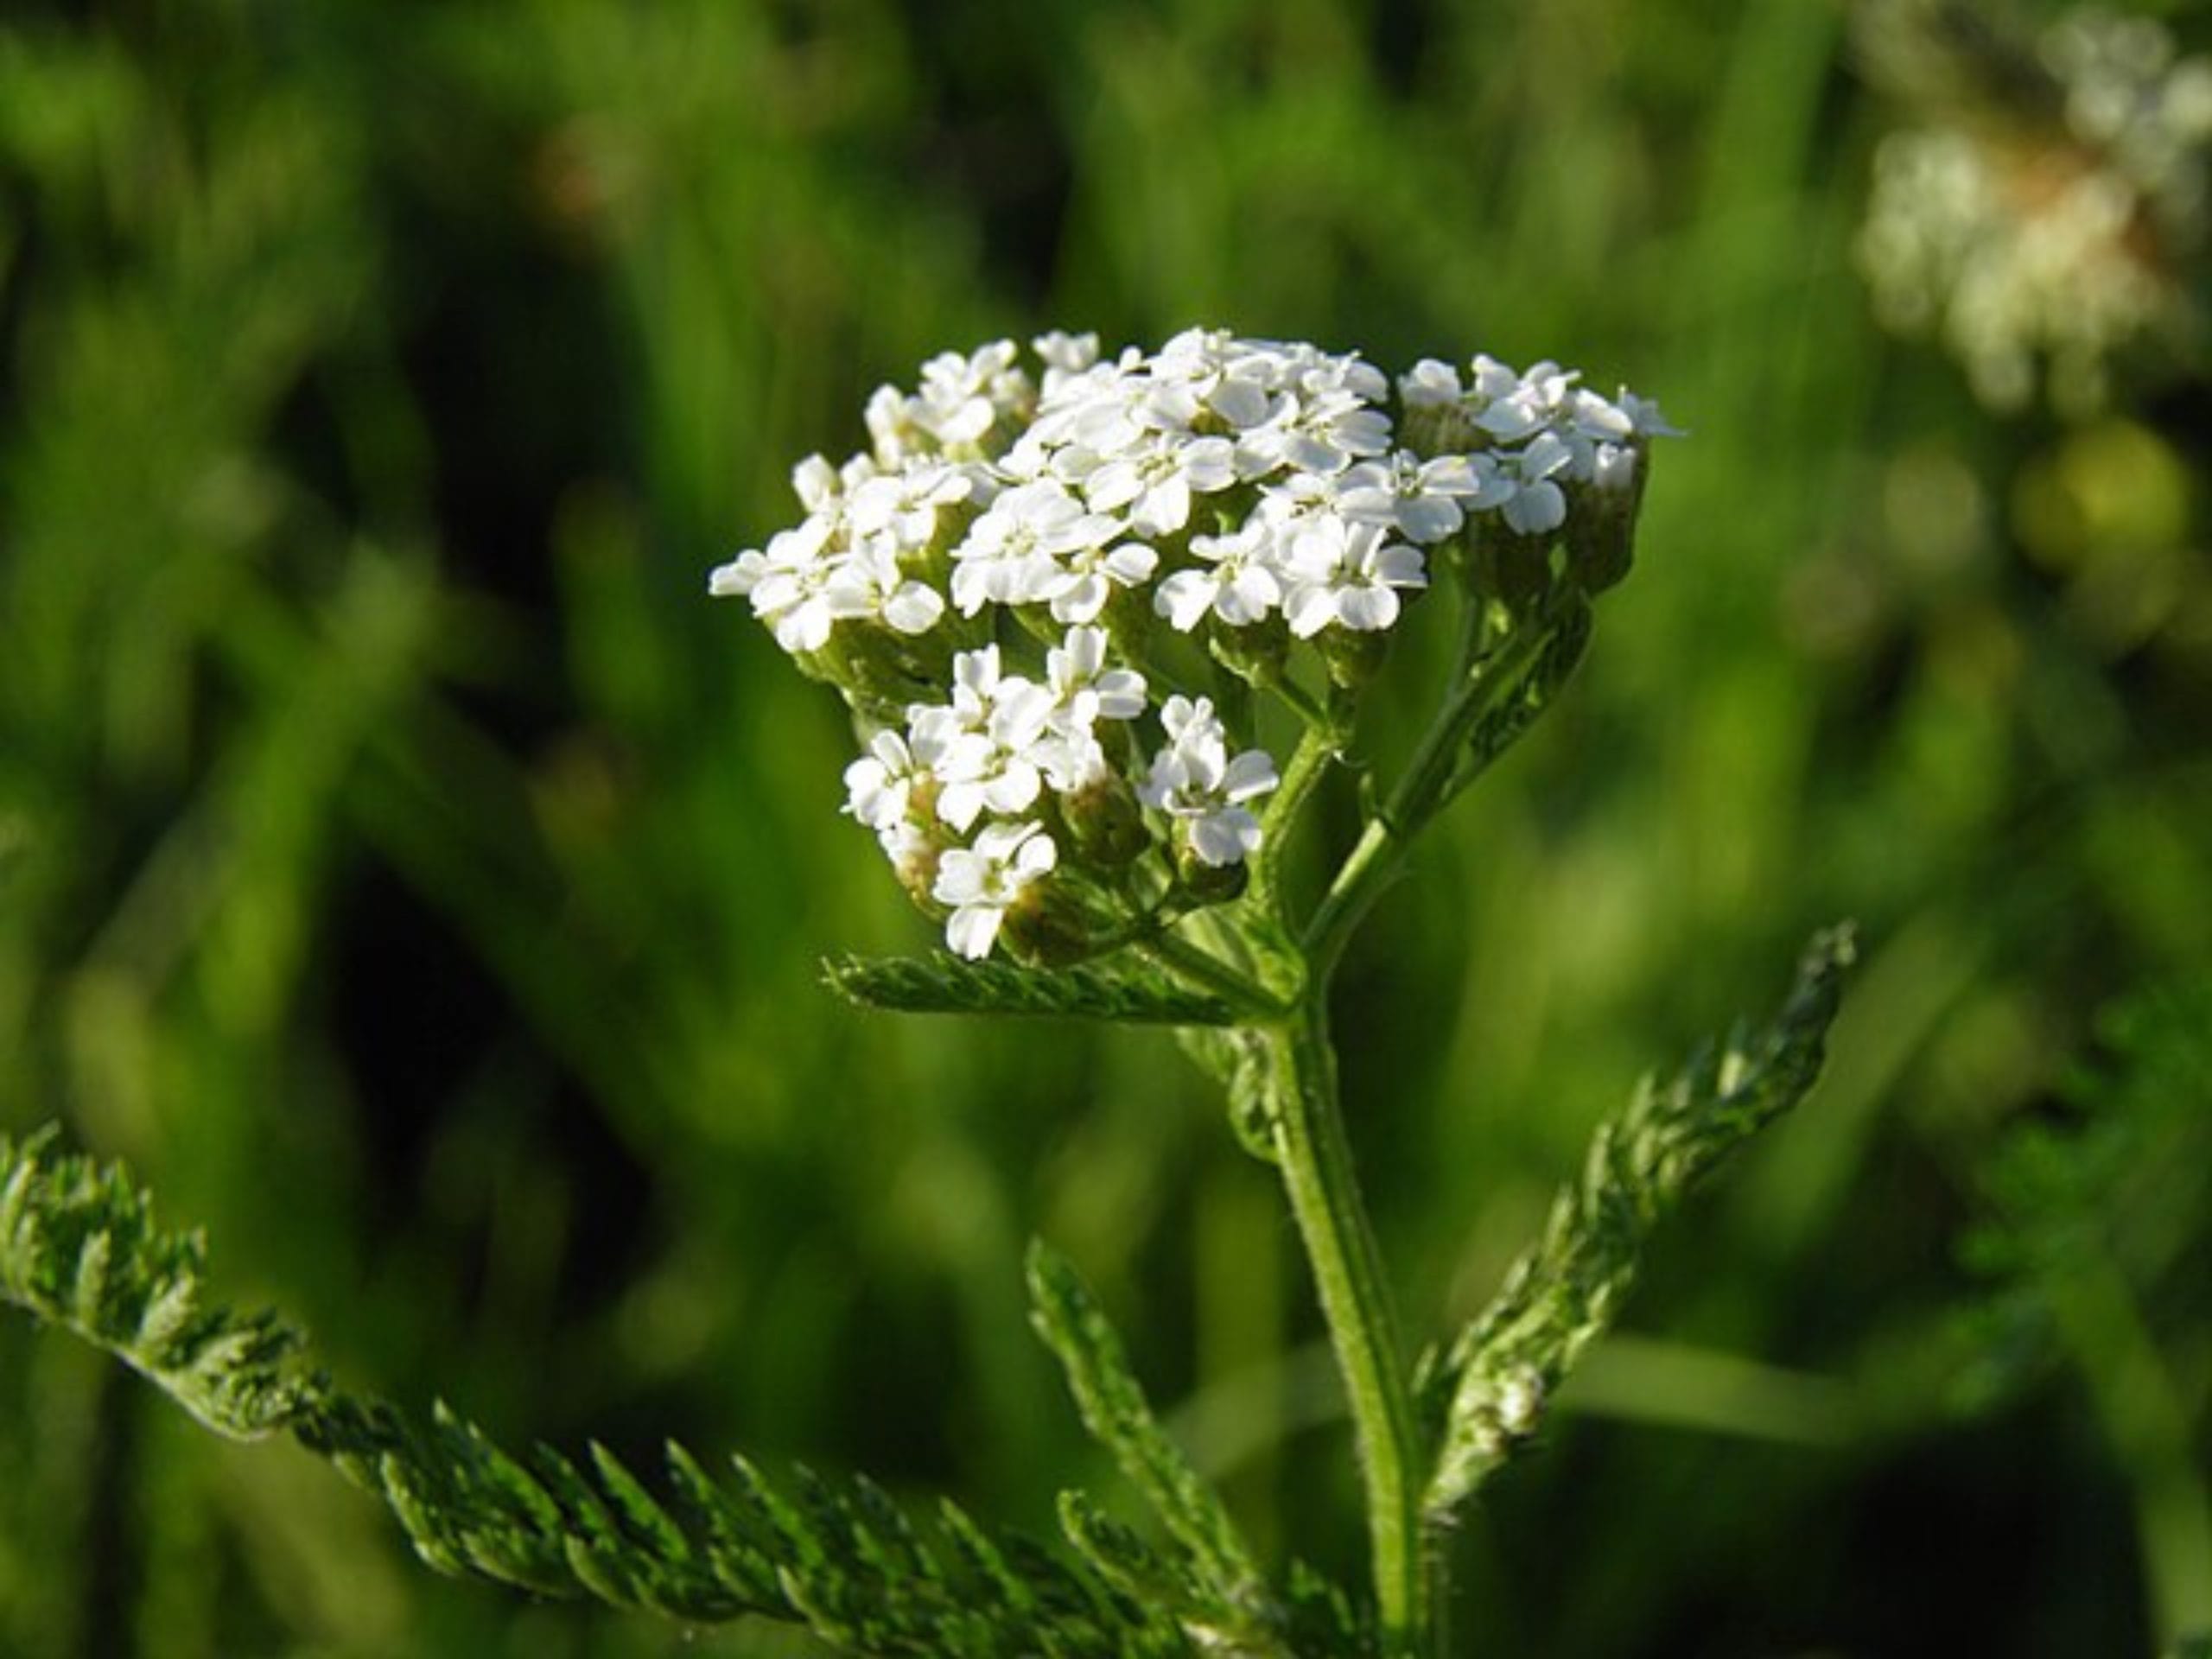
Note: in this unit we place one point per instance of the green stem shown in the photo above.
(1424, 789)
(1315, 1159)
(1201, 968)
(1309, 762)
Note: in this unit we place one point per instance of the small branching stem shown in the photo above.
(1199, 967)
(1309, 763)
(1481, 670)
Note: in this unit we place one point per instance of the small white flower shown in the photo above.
(1076, 671)
(1430, 385)
(1194, 780)
(1012, 554)
(961, 399)
(880, 786)
(988, 739)
(1537, 506)
(1155, 487)
(1237, 581)
(1089, 575)
(893, 427)
(1322, 431)
(904, 505)
(1349, 574)
(867, 585)
(1424, 501)
(984, 881)
(1064, 356)
(788, 583)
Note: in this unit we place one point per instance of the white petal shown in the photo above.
(914, 608)
(971, 930)
(1228, 836)
(1081, 599)
(1367, 610)
(1251, 774)
(1183, 599)
(1536, 508)
(1310, 609)
(959, 805)
(1037, 856)
(963, 877)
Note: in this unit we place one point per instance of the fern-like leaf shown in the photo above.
(947, 984)
(1228, 1592)
(1562, 1294)
(79, 1248)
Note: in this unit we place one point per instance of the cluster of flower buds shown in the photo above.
(1027, 587)
(2052, 219)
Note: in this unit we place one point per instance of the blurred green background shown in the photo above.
(406, 867)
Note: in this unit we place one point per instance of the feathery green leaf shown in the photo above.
(1562, 1294)
(1117, 1415)
(946, 984)
(79, 1248)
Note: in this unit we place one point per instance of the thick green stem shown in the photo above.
(1315, 1159)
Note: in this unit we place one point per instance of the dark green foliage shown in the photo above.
(947, 984)
(1491, 1386)
(2114, 1182)
(79, 1248)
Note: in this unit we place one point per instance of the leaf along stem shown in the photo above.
(1482, 671)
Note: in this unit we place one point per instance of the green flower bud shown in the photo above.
(1051, 926)
(1504, 564)
(1601, 521)
(1255, 653)
(1105, 821)
(1353, 657)
(1206, 883)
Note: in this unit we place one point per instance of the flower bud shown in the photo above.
(874, 665)
(1105, 821)
(1255, 652)
(1507, 566)
(1049, 926)
(1208, 884)
(1351, 655)
(1601, 520)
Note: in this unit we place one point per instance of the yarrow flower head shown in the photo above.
(2045, 221)
(1063, 592)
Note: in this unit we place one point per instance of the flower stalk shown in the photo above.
(1314, 1153)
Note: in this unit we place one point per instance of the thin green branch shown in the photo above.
(1202, 968)
(1497, 691)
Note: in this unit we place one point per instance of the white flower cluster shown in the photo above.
(2061, 244)
(1221, 488)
